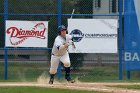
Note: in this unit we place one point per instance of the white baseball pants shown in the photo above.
(55, 60)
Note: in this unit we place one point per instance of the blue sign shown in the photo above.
(132, 35)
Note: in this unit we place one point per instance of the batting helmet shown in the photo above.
(61, 28)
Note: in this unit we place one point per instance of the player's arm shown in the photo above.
(73, 45)
(61, 46)
(70, 41)
(66, 45)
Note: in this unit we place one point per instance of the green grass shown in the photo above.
(106, 74)
(24, 71)
(127, 86)
(41, 90)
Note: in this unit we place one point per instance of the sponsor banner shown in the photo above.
(132, 60)
(94, 35)
(132, 35)
(136, 3)
(26, 33)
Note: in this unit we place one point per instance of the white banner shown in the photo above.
(26, 33)
(94, 35)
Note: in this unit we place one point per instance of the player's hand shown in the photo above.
(66, 45)
(73, 46)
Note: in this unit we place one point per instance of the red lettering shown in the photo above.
(13, 30)
(23, 34)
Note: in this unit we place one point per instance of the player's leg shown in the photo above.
(51, 78)
(66, 61)
(67, 75)
(53, 67)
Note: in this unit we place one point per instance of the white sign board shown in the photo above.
(94, 35)
(26, 33)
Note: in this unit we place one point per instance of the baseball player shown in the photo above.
(60, 53)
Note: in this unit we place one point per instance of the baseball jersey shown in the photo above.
(58, 47)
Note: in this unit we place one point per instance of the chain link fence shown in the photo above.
(29, 64)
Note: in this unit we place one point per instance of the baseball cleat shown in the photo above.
(72, 81)
(69, 79)
(51, 81)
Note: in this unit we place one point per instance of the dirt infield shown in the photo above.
(77, 85)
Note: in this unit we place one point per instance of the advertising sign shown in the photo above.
(132, 35)
(94, 35)
(26, 33)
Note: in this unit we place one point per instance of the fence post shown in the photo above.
(120, 39)
(5, 49)
(59, 23)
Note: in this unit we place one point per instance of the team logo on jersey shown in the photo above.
(77, 35)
